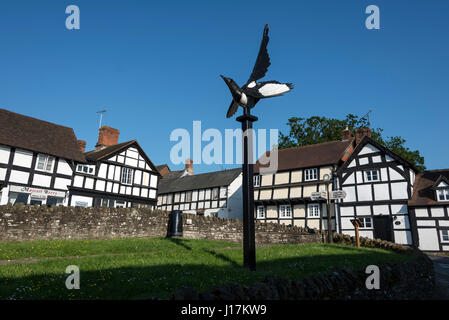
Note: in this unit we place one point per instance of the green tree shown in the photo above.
(321, 129)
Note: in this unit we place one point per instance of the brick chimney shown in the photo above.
(107, 136)
(189, 166)
(81, 145)
(360, 133)
(346, 134)
(164, 171)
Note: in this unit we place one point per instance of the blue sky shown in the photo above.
(155, 66)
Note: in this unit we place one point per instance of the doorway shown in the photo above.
(382, 227)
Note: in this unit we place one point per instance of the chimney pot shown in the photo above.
(346, 134)
(107, 136)
(189, 166)
(360, 133)
(81, 145)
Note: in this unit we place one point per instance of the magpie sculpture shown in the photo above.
(248, 95)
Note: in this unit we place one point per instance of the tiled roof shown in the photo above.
(32, 134)
(198, 181)
(103, 153)
(423, 192)
(313, 155)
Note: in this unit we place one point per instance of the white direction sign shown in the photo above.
(318, 195)
(338, 194)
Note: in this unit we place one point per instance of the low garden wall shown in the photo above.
(26, 223)
(414, 279)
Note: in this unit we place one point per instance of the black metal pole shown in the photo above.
(249, 239)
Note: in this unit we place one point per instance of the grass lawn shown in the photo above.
(143, 268)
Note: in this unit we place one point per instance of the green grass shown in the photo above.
(143, 268)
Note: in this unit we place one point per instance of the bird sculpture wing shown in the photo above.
(263, 60)
(232, 109)
(268, 89)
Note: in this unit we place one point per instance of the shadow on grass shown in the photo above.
(154, 280)
(180, 242)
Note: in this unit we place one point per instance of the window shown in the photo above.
(445, 235)
(15, 198)
(127, 176)
(215, 194)
(45, 163)
(285, 211)
(367, 223)
(169, 198)
(372, 175)
(311, 174)
(85, 169)
(443, 195)
(54, 201)
(189, 196)
(260, 212)
(313, 210)
(256, 180)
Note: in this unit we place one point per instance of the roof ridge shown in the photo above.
(313, 145)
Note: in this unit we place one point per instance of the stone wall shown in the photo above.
(25, 223)
(411, 280)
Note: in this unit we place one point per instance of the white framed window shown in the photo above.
(256, 180)
(285, 211)
(260, 212)
(83, 168)
(45, 163)
(215, 193)
(127, 176)
(313, 210)
(443, 195)
(367, 223)
(445, 235)
(311, 174)
(372, 175)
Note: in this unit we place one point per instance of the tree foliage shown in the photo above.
(321, 129)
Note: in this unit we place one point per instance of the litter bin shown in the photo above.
(175, 224)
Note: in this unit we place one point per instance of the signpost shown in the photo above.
(357, 224)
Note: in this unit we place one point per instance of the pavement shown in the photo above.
(441, 266)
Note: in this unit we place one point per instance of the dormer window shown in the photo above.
(443, 194)
(311, 174)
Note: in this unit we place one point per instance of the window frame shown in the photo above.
(47, 157)
(443, 235)
(257, 179)
(258, 216)
(369, 177)
(130, 176)
(312, 214)
(363, 219)
(289, 211)
(89, 168)
(311, 174)
(445, 193)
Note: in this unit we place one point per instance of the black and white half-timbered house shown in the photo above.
(115, 175)
(215, 194)
(378, 184)
(37, 159)
(285, 196)
(429, 207)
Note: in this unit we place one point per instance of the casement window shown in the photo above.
(127, 176)
(445, 235)
(82, 168)
(311, 174)
(189, 196)
(256, 180)
(260, 212)
(45, 163)
(223, 192)
(201, 195)
(313, 210)
(169, 198)
(215, 192)
(443, 195)
(285, 211)
(367, 223)
(372, 175)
